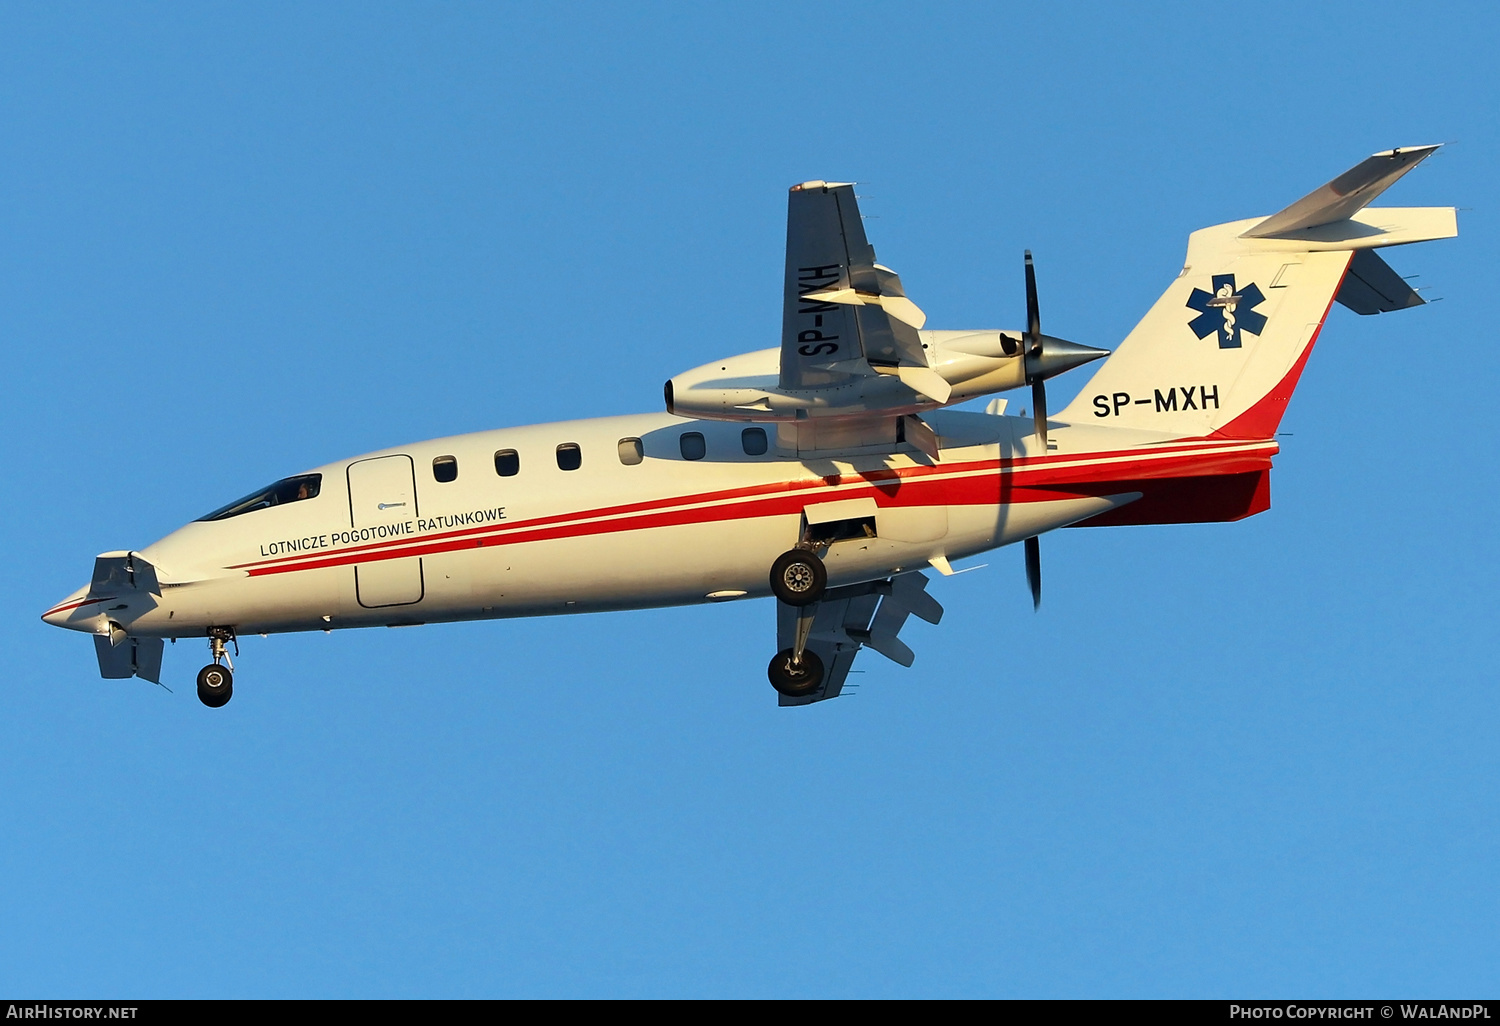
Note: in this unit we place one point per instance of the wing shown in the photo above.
(855, 616)
(843, 315)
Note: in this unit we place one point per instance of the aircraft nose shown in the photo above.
(59, 614)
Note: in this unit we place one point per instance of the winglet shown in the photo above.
(1346, 195)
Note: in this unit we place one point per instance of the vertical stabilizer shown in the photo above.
(1222, 349)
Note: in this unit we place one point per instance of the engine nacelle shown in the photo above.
(969, 363)
(748, 388)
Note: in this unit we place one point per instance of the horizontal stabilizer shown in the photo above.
(1372, 287)
(1346, 195)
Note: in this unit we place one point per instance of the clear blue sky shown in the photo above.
(240, 240)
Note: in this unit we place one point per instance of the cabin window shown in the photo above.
(507, 463)
(569, 456)
(754, 441)
(692, 445)
(445, 469)
(289, 489)
(631, 451)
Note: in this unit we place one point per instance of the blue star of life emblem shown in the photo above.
(1227, 311)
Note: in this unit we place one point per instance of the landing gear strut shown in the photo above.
(799, 580)
(216, 682)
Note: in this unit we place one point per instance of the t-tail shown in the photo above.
(1221, 351)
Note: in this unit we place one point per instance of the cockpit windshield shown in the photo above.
(286, 490)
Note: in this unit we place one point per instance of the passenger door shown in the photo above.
(383, 499)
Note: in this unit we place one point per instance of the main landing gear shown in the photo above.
(216, 682)
(798, 578)
(795, 677)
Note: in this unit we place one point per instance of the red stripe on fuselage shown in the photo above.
(75, 605)
(980, 482)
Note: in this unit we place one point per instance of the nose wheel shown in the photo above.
(215, 685)
(216, 681)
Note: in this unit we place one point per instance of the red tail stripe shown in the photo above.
(1263, 418)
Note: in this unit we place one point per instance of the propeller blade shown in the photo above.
(1034, 353)
(1033, 310)
(1034, 570)
(1039, 411)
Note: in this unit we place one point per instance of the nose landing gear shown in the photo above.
(216, 682)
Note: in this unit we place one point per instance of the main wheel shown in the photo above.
(795, 681)
(215, 685)
(798, 577)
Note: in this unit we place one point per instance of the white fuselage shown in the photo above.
(385, 542)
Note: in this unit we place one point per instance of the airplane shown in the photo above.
(829, 472)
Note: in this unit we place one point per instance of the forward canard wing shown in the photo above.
(129, 583)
